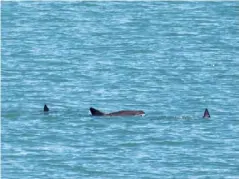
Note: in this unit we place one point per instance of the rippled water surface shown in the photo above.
(170, 59)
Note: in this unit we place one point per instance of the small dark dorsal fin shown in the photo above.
(95, 112)
(46, 109)
(206, 114)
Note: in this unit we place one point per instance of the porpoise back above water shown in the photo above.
(95, 112)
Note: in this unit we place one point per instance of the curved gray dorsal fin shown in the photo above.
(46, 109)
(95, 112)
(206, 114)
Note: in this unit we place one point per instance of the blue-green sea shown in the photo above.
(170, 59)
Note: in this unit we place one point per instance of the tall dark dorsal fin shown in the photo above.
(206, 114)
(95, 112)
(46, 109)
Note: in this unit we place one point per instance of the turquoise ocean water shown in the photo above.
(170, 59)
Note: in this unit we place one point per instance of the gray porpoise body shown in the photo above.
(95, 112)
